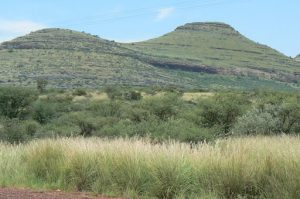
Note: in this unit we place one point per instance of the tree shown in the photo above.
(222, 111)
(289, 115)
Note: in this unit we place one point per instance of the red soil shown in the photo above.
(7, 193)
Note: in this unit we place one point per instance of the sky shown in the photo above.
(275, 23)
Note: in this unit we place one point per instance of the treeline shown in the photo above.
(163, 114)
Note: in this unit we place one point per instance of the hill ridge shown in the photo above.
(176, 58)
(217, 48)
(196, 26)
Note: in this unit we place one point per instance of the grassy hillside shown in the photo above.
(67, 69)
(69, 59)
(62, 39)
(298, 58)
(218, 48)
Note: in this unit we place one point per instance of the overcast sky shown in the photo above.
(272, 22)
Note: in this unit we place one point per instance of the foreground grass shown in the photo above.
(257, 167)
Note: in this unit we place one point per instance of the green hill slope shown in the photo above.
(69, 59)
(217, 48)
(73, 59)
(62, 39)
(297, 58)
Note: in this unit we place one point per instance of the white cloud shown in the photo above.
(164, 13)
(10, 27)
(131, 40)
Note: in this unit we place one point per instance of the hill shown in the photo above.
(73, 59)
(218, 48)
(205, 55)
(297, 58)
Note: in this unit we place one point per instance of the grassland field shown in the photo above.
(253, 167)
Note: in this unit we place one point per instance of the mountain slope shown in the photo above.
(297, 58)
(63, 39)
(73, 59)
(218, 48)
(69, 59)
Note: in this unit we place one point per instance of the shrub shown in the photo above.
(79, 92)
(14, 102)
(132, 95)
(182, 130)
(106, 108)
(43, 112)
(163, 107)
(86, 127)
(113, 93)
(289, 115)
(12, 131)
(31, 127)
(85, 122)
(256, 122)
(137, 114)
(222, 111)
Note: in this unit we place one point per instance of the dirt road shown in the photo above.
(7, 193)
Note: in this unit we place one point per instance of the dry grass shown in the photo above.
(196, 96)
(257, 167)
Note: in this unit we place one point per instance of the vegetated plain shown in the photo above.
(202, 112)
(157, 114)
(136, 153)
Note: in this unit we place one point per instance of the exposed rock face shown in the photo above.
(209, 26)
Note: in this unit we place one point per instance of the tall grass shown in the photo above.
(256, 167)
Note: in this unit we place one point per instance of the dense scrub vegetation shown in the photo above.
(159, 114)
(243, 168)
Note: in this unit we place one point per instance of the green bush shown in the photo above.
(223, 111)
(113, 93)
(132, 95)
(86, 123)
(182, 130)
(137, 114)
(258, 122)
(14, 102)
(164, 107)
(86, 127)
(79, 92)
(289, 116)
(12, 131)
(31, 127)
(270, 119)
(106, 108)
(43, 112)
